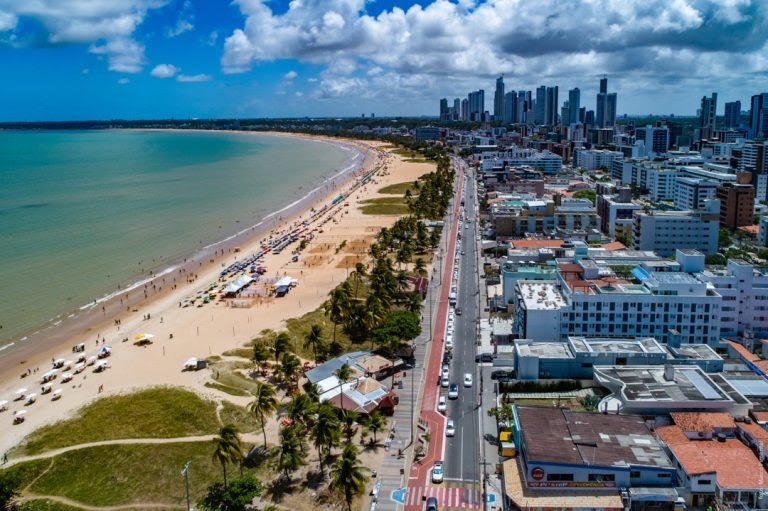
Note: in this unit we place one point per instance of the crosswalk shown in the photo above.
(450, 495)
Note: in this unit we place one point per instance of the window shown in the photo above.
(664, 476)
(601, 477)
(559, 477)
(705, 481)
(634, 474)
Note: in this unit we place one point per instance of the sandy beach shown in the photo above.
(181, 333)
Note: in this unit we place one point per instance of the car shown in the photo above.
(446, 371)
(501, 375)
(453, 391)
(442, 404)
(437, 472)
(458, 311)
(463, 253)
(467, 380)
(446, 357)
(444, 382)
(431, 504)
(484, 357)
(450, 428)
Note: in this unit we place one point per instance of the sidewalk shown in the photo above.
(393, 475)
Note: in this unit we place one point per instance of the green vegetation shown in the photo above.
(232, 391)
(240, 417)
(44, 505)
(235, 497)
(536, 386)
(718, 259)
(585, 194)
(158, 412)
(419, 160)
(385, 206)
(398, 188)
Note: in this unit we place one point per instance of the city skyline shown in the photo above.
(252, 58)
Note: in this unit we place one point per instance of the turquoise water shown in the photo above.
(84, 212)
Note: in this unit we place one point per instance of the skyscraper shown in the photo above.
(456, 109)
(574, 103)
(510, 108)
(732, 114)
(550, 106)
(606, 106)
(707, 116)
(524, 106)
(476, 105)
(498, 99)
(464, 109)
(758, 116)
(541, 102)
(443, 109)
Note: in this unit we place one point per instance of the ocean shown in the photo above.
(82, 212)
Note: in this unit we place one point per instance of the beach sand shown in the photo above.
(213, 328)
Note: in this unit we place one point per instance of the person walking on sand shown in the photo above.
(101, 388)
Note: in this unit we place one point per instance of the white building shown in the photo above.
(548, 163)
(762, 236)
(690, 193)
(665, 231)
(593, 159)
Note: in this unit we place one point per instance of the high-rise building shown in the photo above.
(523, 106)
(476, 105)
(732, 114)
(606, 106)
(443, 109)
(589, 118)
(565, 113)
(456, 109)
(707, 116)
(574, 104)
(655, 138)
(498, 99)
(510, 108)
(758, 116)
(737, 204)
(550, 106)
(464, 109)
(540, 106)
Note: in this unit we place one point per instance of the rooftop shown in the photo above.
(559, 435)
(696, 422)
(695, 351)
(626, 345)
(540, 295)
(536, 243)
(543, 349)
(689, 383)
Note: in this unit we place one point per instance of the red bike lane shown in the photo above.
(420, 470)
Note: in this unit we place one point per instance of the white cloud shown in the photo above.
(164, 71)
(213, 37)
(123, 81)
(290, 76)
(185, 22)
(108, 25)
(194, 78)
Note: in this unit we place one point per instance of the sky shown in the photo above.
(148, 59)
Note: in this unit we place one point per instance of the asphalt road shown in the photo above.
(462, 452)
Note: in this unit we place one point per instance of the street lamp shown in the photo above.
(185, 473)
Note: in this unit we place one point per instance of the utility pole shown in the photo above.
(185, 473)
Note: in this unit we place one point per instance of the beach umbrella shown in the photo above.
(21, 392)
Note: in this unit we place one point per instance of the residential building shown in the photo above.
(593, 159)
(464, 109)
(510, 108)
(690, 193)
(477, 105)
(616, 214)
(732, 114)
(707, 116)
(574, 105)
(544, 161)
(540, 105)
(444, 109)
(737, 204)
(655, 138)
(758, 116)
(606, 106)
(754, 159)
(665, 231)
(517, 216)
(498, 99)
(762, 236)
(550, 106)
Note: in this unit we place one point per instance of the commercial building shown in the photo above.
(574, 105)
(732, 115)
(690, 193)
(762, 236)
(655, 138)
(426, 133)
(758, 116)
(737, 204)
(498, 99)
(616, 214)
(505, 161)
(606, 106)
(665, 231)
(577, 358)
(707, 116)
(550, 106)
(476, 105)
(593, 159)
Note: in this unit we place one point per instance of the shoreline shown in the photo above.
(17, 353)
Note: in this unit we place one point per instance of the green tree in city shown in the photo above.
(348, 475)
(315, 341)
(235, 497)
(375, 422)
(264, 404)
(227, 448)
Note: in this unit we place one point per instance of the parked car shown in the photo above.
(453, 391)
(444, 382)
(442, 404)
(437, 472)
(431, 504)
(450, 428)
(502, 375)
(458, 311)
(484, 357)
(446, 371)
(446, 357)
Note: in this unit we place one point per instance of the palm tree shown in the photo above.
(348, 418)
(413, 302)
(260, 355)
(359, 274)
(347, 475)
(343, 373)
(301, 409)
(227, 448)
(420, 266)
(402, 281)
(336, 308)
(282, 345)
(326, 431)
(313, 393)
(315, 340)
(375, 422)
(264, 404)
(290, 452)
(290, 366)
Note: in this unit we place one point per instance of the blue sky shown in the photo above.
(138, 59)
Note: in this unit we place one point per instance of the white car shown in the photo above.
(446, 371)
(444, 382)
(450, 428)
(442, 404)
(453, 391)
(467, 380)
(437, 472)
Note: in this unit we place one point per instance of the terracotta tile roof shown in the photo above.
(536, 243)
(570, 267)
(762, 365)
(754, 431)
(735, 463)
(671, 435)
(744, 352)
(752, 229)
(702, 422)
(760, 416)
(614, 245)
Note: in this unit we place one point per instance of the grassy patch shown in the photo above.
(385, 206)
(245, 421)
(239, 352)
(27, 472)
(226, 374)
(131, 474)
(300, 327)
(420, 160)
(398, 188)
(158, 412)
(45, 505)
(232, 391)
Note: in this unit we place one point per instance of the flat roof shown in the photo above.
(696, 352)
(559, 435)
(540, 295)
(618, 345)
(581, 498)
(543, 349)
(647, 383)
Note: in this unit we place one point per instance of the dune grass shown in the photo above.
(398, 188)
(45, 505)
(245, 421)
(157, 412)
(385, 206)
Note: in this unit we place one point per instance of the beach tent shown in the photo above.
(31, 398)
(190, 364)
(91, 360)
(285, 281)
(237, 284)
(45, 388)
(101, 366)
(20, 393)
(79, 368)
(105, 351)
(18, 417)
(66, 377)
(58, 363)
(143, 339)
(56, 394)
(3, 405)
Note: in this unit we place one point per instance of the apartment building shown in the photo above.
(665, 231)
